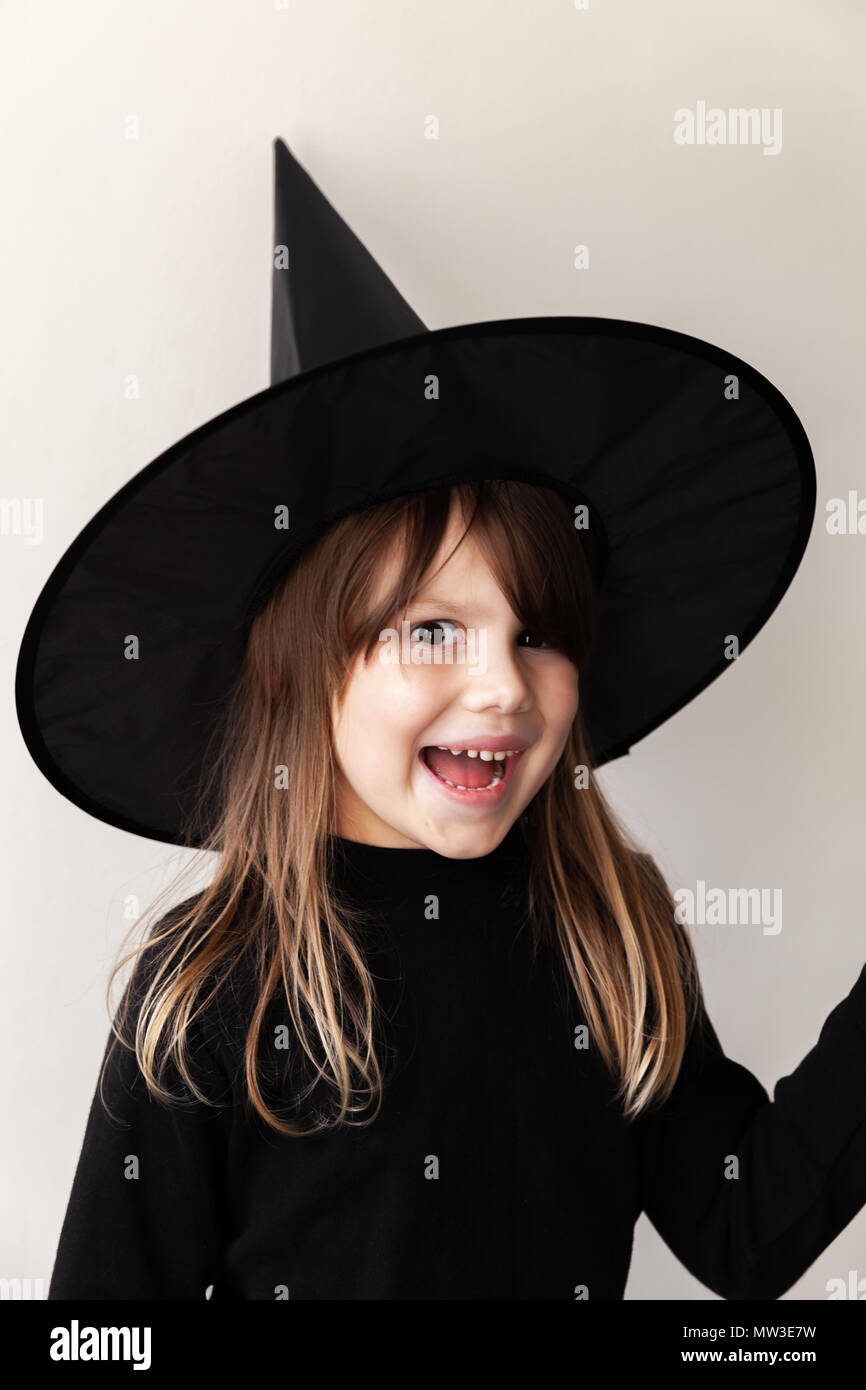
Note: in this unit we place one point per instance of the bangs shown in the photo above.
(528, 540)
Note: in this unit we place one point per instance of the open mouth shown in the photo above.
(463, 773)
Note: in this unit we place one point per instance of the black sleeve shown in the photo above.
(146, 1211)
(801, 1158)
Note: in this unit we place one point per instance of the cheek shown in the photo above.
(558, 695)
(384, 713)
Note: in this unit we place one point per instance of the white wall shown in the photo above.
(152, 256)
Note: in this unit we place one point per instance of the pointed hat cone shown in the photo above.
(332, 299)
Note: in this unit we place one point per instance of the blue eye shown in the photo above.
(428, 626)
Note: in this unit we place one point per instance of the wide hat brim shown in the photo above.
(701, 498)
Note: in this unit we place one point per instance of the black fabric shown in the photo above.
(498, 1168)
(333, 298)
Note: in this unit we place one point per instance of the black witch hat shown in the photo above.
(695, 474)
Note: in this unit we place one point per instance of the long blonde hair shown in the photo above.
(273, 912)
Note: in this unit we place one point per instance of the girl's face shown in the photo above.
(507, 692)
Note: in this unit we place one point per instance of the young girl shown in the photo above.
(434, 1031)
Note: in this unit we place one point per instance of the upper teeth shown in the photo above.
(485, 754)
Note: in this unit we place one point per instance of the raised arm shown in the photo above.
(746, 1191)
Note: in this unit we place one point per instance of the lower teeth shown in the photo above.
(498, 778)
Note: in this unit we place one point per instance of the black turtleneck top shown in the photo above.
(499, 1166)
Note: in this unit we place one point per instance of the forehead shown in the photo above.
(457, 564)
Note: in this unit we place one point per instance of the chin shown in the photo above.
(469, 843)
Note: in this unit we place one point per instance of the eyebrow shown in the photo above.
(433, 601)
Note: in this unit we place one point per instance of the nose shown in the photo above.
(497, 678)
